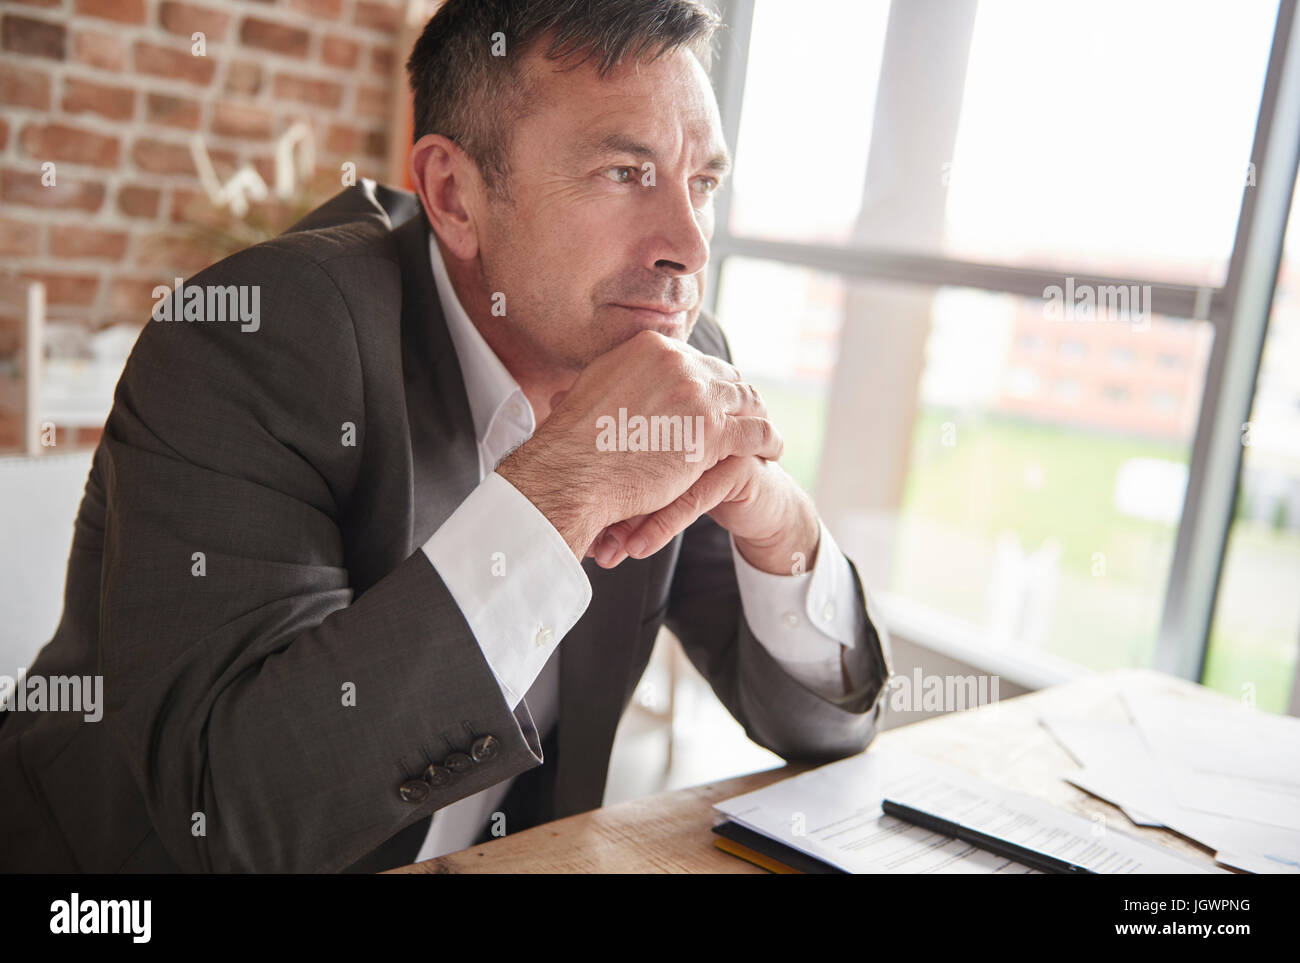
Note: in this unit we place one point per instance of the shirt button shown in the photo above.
(790, 620)
(828, 611)
(544, 636)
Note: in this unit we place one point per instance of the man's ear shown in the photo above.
(451, 190)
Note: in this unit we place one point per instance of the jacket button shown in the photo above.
(484, 748)
(438, 776)
(458, 762)
(414, 791)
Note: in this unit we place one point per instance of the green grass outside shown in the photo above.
(1043, 482)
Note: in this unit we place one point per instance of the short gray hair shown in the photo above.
(474, 98)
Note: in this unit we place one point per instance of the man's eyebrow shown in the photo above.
(617, 143)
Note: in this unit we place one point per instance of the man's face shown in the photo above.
(597, 244)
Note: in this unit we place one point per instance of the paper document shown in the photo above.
(1225, 775)
(1100, 744)
(833, 813)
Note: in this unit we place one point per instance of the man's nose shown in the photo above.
(678, 243)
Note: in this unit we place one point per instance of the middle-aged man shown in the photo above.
(378, 556)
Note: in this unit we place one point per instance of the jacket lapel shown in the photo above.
(444, 451)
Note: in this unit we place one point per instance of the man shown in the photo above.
(370, 559)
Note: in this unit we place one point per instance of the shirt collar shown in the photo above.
(489, 386)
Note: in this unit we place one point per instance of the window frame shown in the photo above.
(1238, 312)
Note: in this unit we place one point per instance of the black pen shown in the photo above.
(1000, 847)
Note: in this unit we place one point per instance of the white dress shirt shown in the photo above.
(520, 620)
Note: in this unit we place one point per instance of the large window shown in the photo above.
(985, 261)
(1256, 630)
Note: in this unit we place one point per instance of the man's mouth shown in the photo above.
(666, 319)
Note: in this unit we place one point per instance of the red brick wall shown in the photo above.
(110, 92)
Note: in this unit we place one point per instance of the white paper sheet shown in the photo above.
(1097, 744)
(1239, 843)
(833, 813)
(1223, 738)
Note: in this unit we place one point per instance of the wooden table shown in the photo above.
(670, 832)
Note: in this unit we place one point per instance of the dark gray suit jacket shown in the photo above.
(224, 692)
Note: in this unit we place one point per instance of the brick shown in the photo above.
(24, 187)
(23, 86)
(185, 18)
(81, 96)
(172, 111)
(123, 11)
(68, 240)
(338, 52)
(136, 201)
(319, 9)
(342, 139)
(321, 93)
(160, 157)
(97, 49)
(373, 102)
(265, 166)
(375, 144)
(74, 289)
(131, 298)
(150, 58)
(232, 120)
(63, 142)
(35, 38)
(377, 16)
(170, 254)
(276, 37)
(189, 206)
(243, 77)
(16, 237)
(381, 60)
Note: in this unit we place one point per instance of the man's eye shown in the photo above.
(706, 185)
(622, 175)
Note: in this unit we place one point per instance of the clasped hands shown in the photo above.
(621, 503)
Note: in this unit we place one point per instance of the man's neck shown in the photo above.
(539, 382)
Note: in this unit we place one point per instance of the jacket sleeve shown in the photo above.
(268, 714)
(777, 711)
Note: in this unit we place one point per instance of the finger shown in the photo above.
(740, 398)
(712, 488)
(719, 369)
(745, 435)
(619, 533)
(607, 550)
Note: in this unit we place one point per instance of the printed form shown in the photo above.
(833, 813)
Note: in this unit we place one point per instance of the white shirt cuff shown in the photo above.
(514, 578)
(803, 619)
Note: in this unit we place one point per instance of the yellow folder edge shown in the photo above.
(752, 856)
